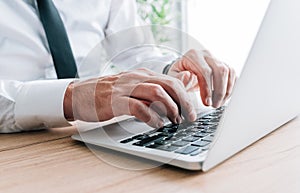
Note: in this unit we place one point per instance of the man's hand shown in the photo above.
(200, 70)
(142, 93)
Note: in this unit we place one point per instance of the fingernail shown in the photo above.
(178, 120)
(160, 124)
(209, 101)
(193, 115)
(218, 104)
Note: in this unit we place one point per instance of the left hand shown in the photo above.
(200, 70)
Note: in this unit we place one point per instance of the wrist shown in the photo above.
(167, 68)
(68, 103)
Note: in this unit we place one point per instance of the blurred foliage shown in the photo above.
(156, 12)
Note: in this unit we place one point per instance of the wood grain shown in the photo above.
(18, 140)
(54, 163)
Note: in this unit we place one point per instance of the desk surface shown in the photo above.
(49, 161)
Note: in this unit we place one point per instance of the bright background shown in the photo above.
(225, 27)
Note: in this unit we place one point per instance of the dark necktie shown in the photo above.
(58, 41)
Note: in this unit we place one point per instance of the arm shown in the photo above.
(142, 93)
(197, 69)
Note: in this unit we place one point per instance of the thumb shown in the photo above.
(187, 78)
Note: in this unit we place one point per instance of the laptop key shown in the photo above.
(200, 134)
(208, 123)
(190, 132)
(171, 128)
(208, 131)
(194, 130)
(190, 139)
(126, 140)
(181, 134)
(180, 143)
(187, 150)
(140, 136)
(165, 140)
(170, 136)
(167, 148)
(201, 143)
(208, 117)
(162, 142)
(152, 145)
(147, 140)
(208, 138)
(196, 152)
(202, 127)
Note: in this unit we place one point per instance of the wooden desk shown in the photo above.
(49, 161)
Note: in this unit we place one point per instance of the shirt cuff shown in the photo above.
(160, 64)
(39, 104)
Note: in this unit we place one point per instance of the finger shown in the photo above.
(177, 92)
(231, 83)
(202, 70)
(184, 77)
(134, 107)
(220, 80)
(188, 79)
(159, 99)
(193, 85)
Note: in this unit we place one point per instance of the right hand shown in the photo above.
(142, 93)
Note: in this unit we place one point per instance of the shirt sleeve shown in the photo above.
(130, 43)
(32, 105)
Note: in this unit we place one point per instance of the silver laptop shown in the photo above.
(265, 97)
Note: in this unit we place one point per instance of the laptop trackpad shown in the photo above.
(116, 131)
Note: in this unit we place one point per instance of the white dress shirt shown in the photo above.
(31, 96)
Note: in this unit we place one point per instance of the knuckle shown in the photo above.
(206, 52)
(157, 91)
(220, 94)
(123, 74)
(138, 110)
(129, 74)
(189, 108)
(136, 75)
(142, 69)
(135, 107)
(173, 110)
(223, 70)
(171, 82)
(145, 70)
(192, 51)
(186, 73)
(207, 71)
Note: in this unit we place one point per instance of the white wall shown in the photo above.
(226, 27)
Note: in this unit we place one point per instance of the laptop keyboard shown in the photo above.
(186, 138)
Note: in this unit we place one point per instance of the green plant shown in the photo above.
(156, 13)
